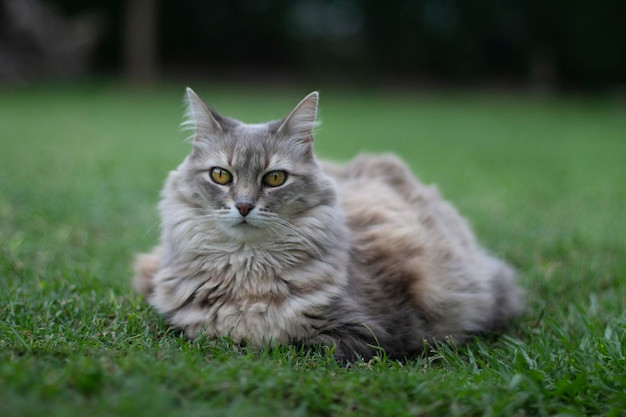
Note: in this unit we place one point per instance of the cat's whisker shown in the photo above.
(208, 215)
(286, 228)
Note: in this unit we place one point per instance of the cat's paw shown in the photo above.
(145, 267)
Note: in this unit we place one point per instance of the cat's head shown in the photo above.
(253, 179)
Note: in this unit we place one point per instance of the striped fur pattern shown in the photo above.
(359, 256)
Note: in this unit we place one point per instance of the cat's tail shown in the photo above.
(145, 267)
(509, 298)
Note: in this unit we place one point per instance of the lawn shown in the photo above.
(542, 180)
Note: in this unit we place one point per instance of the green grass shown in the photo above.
(543, 181)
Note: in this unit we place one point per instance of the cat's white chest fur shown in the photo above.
(247, 292)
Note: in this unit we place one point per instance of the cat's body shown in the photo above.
(262, 243)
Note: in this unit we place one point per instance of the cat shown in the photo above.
(264, 244)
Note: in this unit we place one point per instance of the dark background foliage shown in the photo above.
(522, 42)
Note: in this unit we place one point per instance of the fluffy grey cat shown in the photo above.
(264, 244)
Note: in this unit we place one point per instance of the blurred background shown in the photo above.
(546, 45)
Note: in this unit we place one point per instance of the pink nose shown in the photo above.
(244, 208)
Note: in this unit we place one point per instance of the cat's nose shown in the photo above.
(244, 208)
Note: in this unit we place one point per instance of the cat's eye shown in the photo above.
(221, 176)
(274, 178)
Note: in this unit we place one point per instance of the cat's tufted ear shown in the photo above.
(199, 118)
(299, 124)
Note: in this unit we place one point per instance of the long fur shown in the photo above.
(360, 257)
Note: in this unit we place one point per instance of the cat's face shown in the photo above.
(255, 180)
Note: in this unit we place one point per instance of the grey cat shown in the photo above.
(264, 244)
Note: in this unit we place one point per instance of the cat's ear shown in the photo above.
(299, 124)
(199, 118)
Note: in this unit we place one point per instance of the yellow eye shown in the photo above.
(221, 176)
(274, 178)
